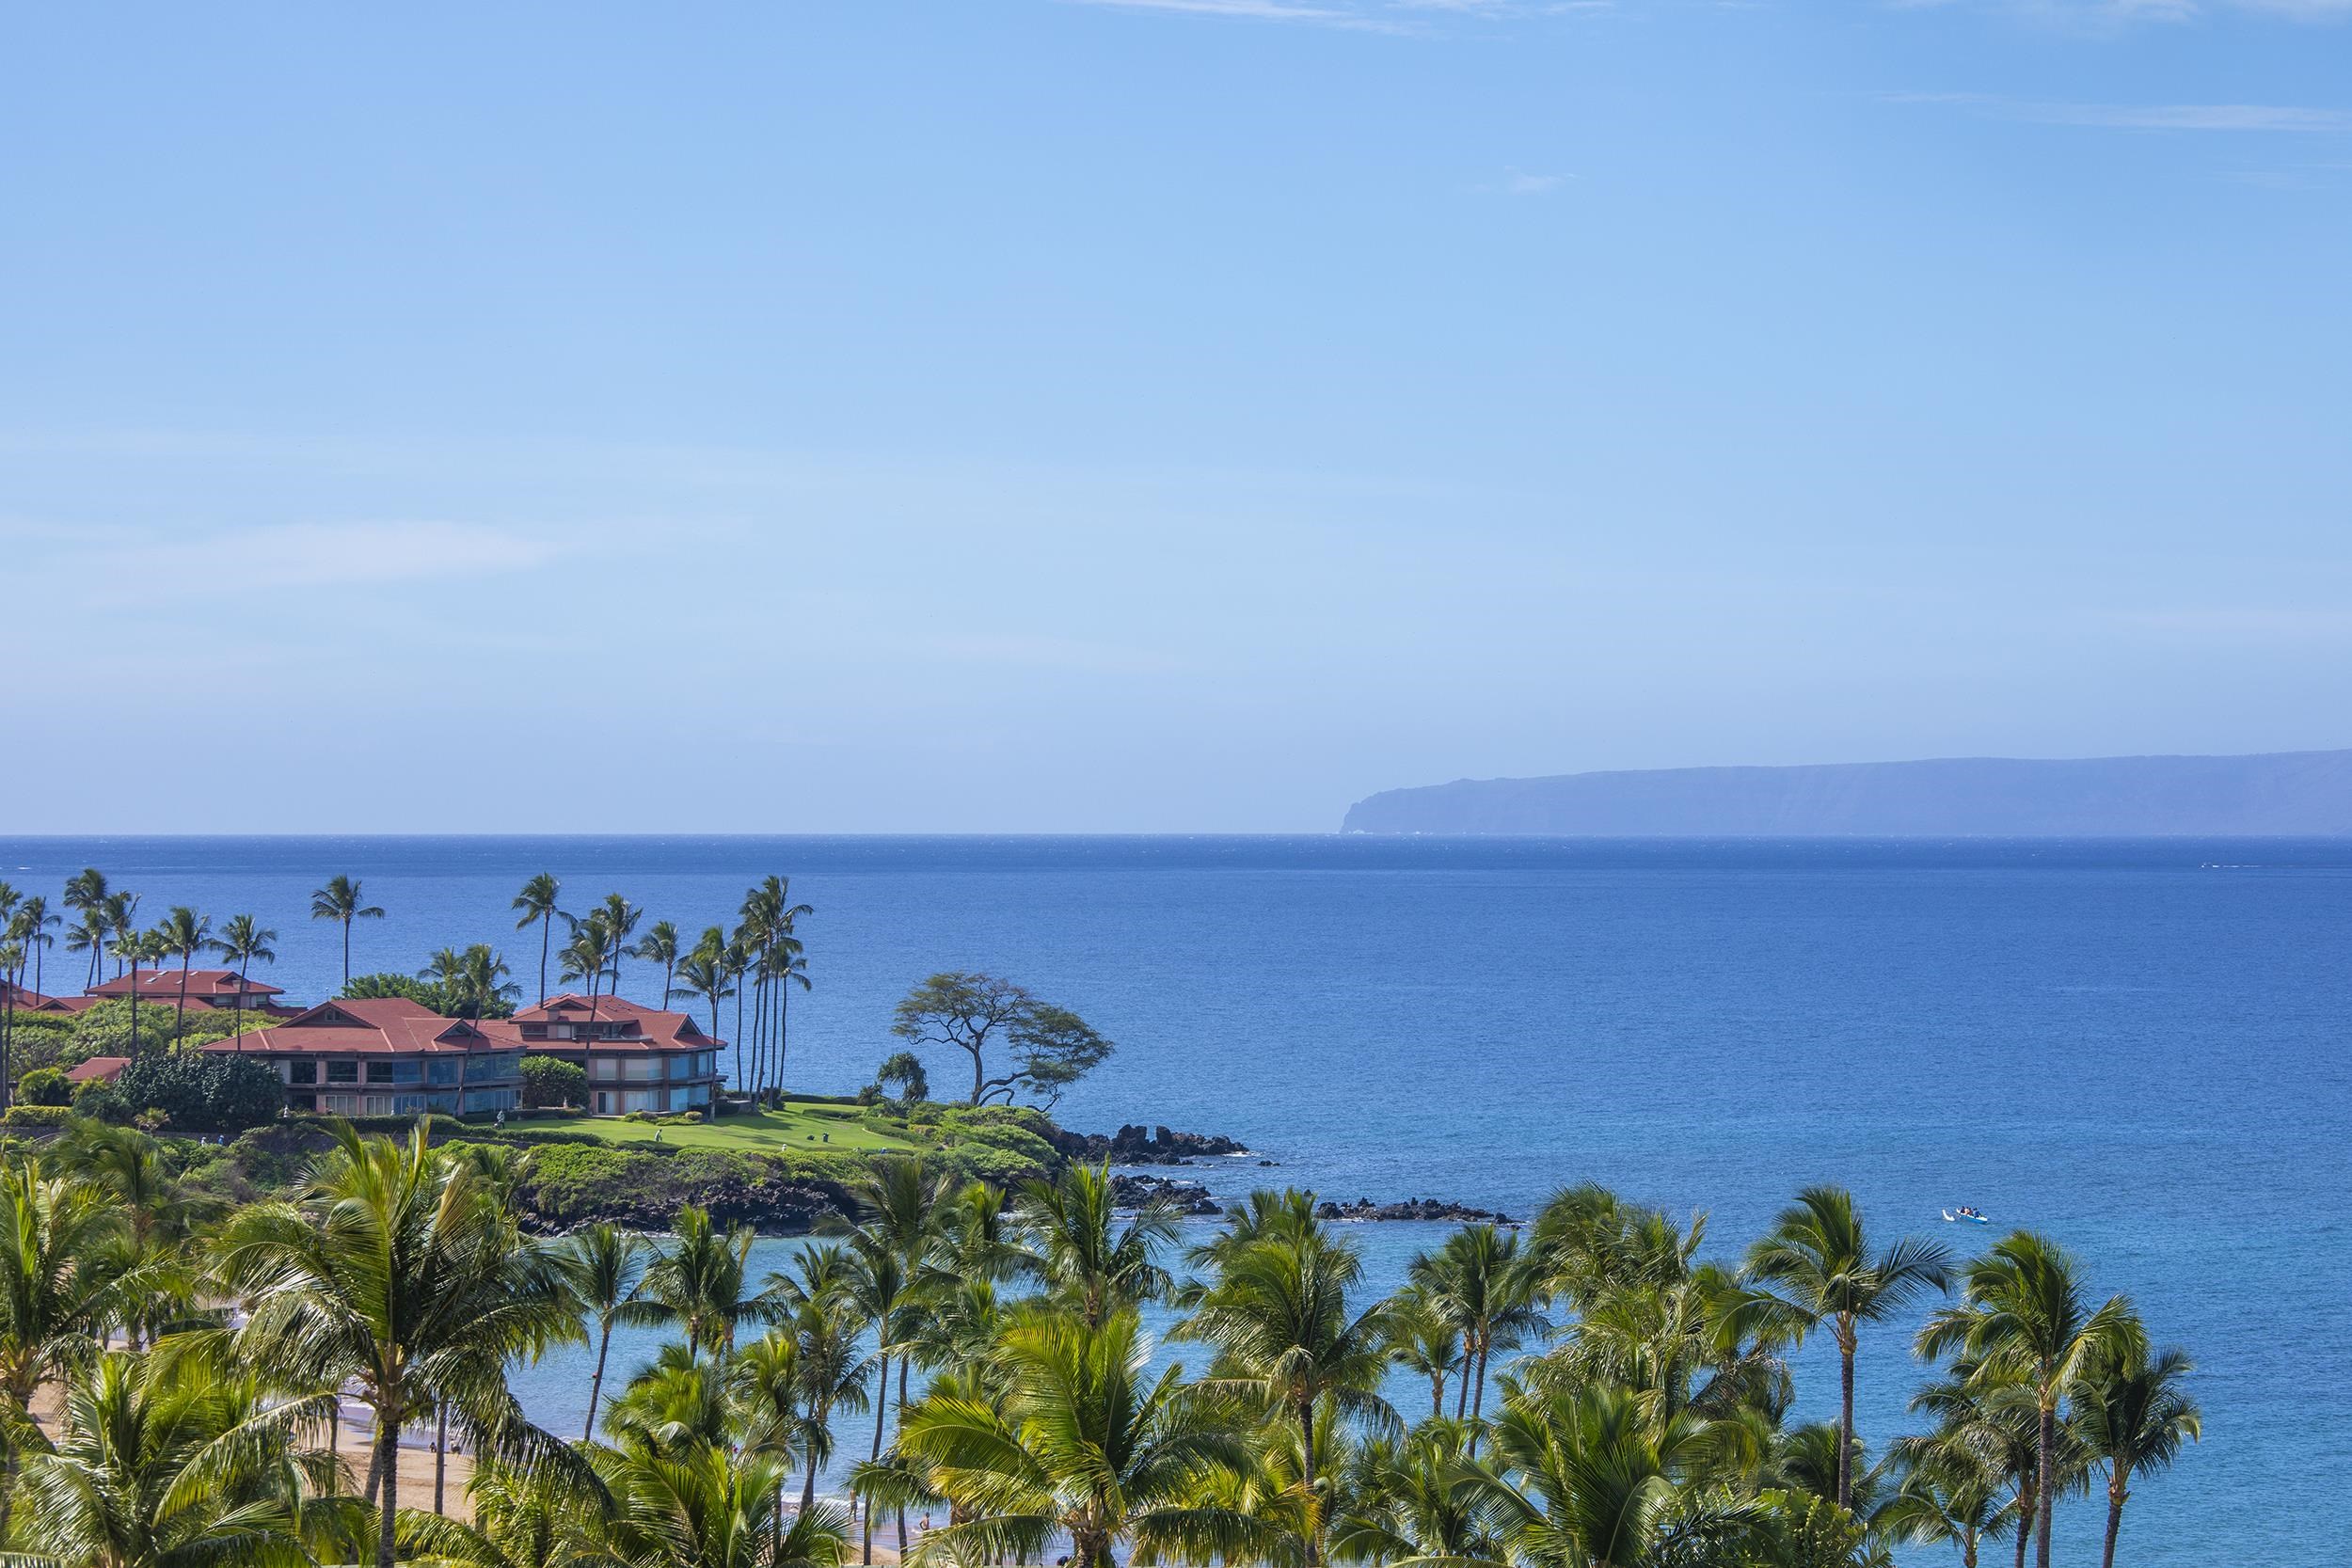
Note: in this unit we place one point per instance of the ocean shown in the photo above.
(2136, 1047)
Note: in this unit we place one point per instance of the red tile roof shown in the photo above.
(645, 1028)
(105, 1069)
(380, 1026)
(204, 985)
(31, 1000)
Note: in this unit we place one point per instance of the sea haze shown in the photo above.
(2137, 1045)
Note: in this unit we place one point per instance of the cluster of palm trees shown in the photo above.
(1599, 1396)
(758, 963)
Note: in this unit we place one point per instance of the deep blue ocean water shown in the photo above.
(2136, 1046)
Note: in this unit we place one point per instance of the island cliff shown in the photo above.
(2287, 793)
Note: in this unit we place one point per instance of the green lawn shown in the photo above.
(811, 1128)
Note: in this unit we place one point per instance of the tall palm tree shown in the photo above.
(1817, 1254)
(2133, 1414)
(1482, 1286)
(787, 967)
(818, 1312)
(701, 1284)
(241, 942)
(704, 973)
(1090, 1262)
(1085, 1445)
(901, 1210)
(537, 902)
(606, 1267)
(90, 934)
(11, 965)
(339, 902)
(1279, 1319)
(619, 919)
(172, 1464)
(399, 1272)
(135, 948)
(86, 891)
(184, 933)
(30, 925)
(473, 982)
(659, 944)
(122, 919)
(2023, 1314)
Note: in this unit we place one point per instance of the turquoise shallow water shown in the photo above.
(2138, 1047)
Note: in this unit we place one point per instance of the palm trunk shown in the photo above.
(2044, 1483)
(2026, 1494)
(2116, 1496)
(1478, 1398)
(387, 1462)
(808, 1485)
(783, 1026)
(1461, 1396)
(903, 1410)
(441, 1455)
(882, 1403)
(595, 1385)
(1307, 1472)
(1845, 1421)
(179, 1017)
(1968, 1547)
(346, 952)
(547, 934)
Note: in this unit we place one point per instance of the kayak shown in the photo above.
(1975, 1219)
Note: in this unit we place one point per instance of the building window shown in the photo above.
(303, 1071)
(343, 1073)
(444, 1071)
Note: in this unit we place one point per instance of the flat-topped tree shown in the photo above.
(1051, 1047)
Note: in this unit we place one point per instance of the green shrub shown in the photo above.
(44, 1085)
(425, 993)
(44, 1039)
(19, 1118)
(552, 1081)
(101, 1103)
(201, 1093)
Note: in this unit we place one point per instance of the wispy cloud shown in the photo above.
(135, 564)
(2142, 116)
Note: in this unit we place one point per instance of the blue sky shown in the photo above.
(1034, 415)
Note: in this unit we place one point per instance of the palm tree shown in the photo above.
(1422, 1340)
(1482, 1286)
(474, 983)
(1278, 1318)
(184, 933)
(135, 948)
(701, 1284)
(704, 974)
(11, 965)
(172, 1463)
(1081, 1446)
(89, 934)
(241, 942)
(398, 1272)
(537, 902)
(2023, 1315)
(1950, 1490)
(706, 1509)
(61, 1284)
(122, 918)
(30, 925)
(87, 892)
(1589, 1481)
(659, 944)
(520, 1521)
(606, 1266)
(2133, 1415)
(1817, 1254)
(786, 967)
(818, 1310)
(619, 919)
(901, 1212)
(1090, 1262)
(587, 954)
(339, 902)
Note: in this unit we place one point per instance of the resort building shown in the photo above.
(386, 1058)
(98, 1069)
(637, 1059)
(210, 987)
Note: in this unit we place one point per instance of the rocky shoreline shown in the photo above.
(1135, 1145)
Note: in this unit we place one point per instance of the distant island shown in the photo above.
(2281, 793)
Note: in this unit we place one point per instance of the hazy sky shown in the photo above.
(1156, 415)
